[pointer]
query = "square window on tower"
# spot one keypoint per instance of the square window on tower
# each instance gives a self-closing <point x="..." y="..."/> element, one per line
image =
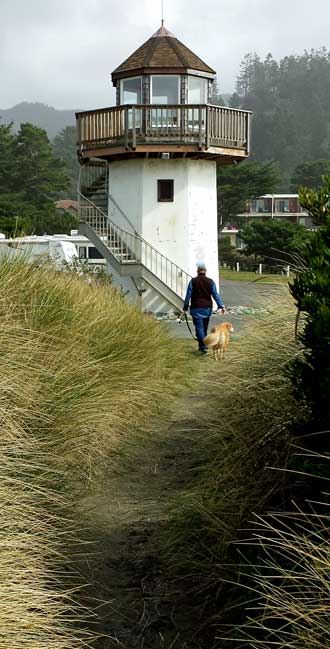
<point x="165" y="191"/>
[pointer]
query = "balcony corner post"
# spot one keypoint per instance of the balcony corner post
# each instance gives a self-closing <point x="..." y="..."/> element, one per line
<point x="126" y="128"/>
<point x="200" y="124"/>
<point x="248" y="133"/>
<point x="207" y="127"/>
<point x="133" y="128"/>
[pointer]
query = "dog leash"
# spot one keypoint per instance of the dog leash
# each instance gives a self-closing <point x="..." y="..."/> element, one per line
<point x="185" y="317"/>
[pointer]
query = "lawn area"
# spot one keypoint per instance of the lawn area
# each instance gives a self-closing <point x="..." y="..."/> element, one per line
<point x="246" y="276"/>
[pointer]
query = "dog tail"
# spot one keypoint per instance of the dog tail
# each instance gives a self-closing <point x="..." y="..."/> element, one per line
<point x="211" y="339"/>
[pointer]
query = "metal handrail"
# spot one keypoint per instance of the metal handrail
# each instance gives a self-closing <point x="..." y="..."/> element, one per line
<point x="130" y="248"/>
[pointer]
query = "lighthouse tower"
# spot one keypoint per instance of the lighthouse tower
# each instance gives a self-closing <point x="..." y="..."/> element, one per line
<point x="147" y="193"/>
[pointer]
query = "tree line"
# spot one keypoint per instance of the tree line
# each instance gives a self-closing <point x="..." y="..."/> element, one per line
<point x="290" y="101"/>
<point x="290" y="146"/>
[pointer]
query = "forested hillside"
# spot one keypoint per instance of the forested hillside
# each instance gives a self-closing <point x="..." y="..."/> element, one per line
<point x="46" y="117"/>
<point x="290" y="100"/>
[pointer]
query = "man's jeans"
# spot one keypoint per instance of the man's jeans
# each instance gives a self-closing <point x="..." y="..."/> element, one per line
<point x="201" y="325"/>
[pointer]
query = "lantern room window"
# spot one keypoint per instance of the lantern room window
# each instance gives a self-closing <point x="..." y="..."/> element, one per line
<point x="165" y="89"/>
<point x="197" y="90"/>
<point x="131" y="90"/>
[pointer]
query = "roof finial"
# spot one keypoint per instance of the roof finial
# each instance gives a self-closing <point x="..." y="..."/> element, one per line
<point x="162" y="13"/>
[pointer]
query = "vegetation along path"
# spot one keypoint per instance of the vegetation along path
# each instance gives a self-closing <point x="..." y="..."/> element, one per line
<point x="140" y="606"/>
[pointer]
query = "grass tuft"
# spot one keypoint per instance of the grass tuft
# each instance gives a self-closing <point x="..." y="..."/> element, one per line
<point x="290" y="583"/>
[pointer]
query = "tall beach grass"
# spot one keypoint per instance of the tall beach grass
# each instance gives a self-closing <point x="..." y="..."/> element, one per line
<point x="289" y="586"/>
<point x="243" y="435"/>
<point x="79" y="370"/>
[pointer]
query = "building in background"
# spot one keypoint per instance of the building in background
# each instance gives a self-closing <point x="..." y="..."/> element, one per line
<point x="282" y="207"/>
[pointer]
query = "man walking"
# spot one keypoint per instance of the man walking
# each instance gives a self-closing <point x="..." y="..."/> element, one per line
<point x="200" y="291"/>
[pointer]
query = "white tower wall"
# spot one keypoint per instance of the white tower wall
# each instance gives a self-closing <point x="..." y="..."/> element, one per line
<point x="184" y="230"/>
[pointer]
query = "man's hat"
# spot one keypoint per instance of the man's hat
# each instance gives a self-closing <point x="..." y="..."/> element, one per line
<point x="201" y="268"/>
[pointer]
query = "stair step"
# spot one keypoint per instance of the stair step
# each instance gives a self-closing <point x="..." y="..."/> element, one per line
<point x="130" y="261"/>
<point x="117" y="245"/>
<point x="125" y="255"/>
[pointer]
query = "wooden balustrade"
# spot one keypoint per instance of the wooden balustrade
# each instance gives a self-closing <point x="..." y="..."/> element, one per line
<point x="130" y="126"/>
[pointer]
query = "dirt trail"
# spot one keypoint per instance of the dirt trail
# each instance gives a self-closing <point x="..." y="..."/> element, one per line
<point x="143" y="610"/>
<point x="130" y="574"/>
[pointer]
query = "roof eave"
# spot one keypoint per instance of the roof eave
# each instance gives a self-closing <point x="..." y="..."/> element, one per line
<point x="201" y="73"/>
<point x="135" y="72"/>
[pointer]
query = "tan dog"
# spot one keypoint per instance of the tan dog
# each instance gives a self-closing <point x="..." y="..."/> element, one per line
<point x="218" y="339"/>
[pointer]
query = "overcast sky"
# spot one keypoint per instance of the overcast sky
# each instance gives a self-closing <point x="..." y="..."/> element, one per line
<point x="62" y="52"/>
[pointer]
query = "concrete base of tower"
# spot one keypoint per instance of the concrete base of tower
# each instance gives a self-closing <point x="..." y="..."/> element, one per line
<point x="183" y="228"/>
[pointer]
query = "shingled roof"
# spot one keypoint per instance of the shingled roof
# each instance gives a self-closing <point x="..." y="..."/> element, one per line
<point x="163" y="52"/>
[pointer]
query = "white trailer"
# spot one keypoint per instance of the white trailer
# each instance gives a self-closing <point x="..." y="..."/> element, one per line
<point x="61" y="249"/>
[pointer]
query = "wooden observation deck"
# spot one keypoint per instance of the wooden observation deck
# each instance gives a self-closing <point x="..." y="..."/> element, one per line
<point x="195" y="130"/>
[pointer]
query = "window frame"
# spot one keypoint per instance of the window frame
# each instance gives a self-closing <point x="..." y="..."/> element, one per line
<point x="93" y="256"/>
<point x="165" y="200"/>
<point x="162" y="76"/>
<point x="200" y="103"/>
<point x="122" y="90"/>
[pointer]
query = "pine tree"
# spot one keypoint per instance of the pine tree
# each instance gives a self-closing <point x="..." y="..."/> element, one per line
<point x="237" y="183"/>
<point x="309" y="174"/>
<point x="216" y="98"/>
<point x="65" y="148"/>
<point x="31" y="179"/>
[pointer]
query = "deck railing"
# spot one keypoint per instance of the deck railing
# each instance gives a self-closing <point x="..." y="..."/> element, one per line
<point x="129" y="126"/>
<point x="130" y="248"/>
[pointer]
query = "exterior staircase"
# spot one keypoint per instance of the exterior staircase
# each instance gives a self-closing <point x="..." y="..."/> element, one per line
<point x="94" y="187"/>
<point x="126" y="252"/>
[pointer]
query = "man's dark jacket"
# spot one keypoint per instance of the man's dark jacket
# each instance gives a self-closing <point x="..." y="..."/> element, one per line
<point x="201" y="292"/>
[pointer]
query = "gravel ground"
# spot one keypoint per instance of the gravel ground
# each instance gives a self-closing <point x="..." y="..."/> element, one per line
<point x="243" y="301"/>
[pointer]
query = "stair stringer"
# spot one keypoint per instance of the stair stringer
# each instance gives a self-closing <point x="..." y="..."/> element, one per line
<point x="133" y="269"/>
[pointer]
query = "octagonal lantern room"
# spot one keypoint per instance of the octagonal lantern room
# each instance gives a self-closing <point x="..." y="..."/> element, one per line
<point x="163" y="71"/>
<point x="163" y="105"/>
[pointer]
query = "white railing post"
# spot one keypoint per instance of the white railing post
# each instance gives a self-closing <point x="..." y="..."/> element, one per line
<point x="126" y="127"/>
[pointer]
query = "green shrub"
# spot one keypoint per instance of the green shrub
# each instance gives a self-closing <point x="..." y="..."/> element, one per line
<point x="311" y="290"/>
